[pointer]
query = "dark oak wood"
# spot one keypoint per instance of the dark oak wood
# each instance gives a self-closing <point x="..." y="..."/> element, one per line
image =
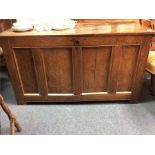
<point x="58" y="73"/>
<point x="39" y="67"/>
<point x="24" y="61"/>
<point x="106" y="20"/>
<point x="93" y="62"/>
<point x="127" y="68"/>
<point x="77" y="70"/>
<point x="13" y="70"/>
<point x="114" y="68"/>
<point x="5" y="24"/>
<point x="142" y="59"/>
<point x="77" y="98"/>
<point x="95" y="68"/>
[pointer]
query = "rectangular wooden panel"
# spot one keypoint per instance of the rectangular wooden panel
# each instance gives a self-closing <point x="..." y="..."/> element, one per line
<point x="62" y="41"/>
<point x="44" y="41"/>
<point x="114" y="66"/>
<point x="58" y="69"/>
<point x="110" y="40"/>
<point x="129" y="57"/>
<point x="142" y="60"/>
<point x="78" y="98"/>
<point x="95" y="68"/>
<point x="77" y="70"/>
<point x="40" y="71"/>
<point x="25" y="66"/>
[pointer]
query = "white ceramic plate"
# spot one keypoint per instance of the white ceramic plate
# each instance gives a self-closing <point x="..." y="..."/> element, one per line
<point x="21" y="29"/>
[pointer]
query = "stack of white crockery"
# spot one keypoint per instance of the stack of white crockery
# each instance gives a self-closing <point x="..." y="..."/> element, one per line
<point x="63" y="24"/>
<point x="54" y="24"/>
<point x="43" y="25"/>
<point x="22" y="25"/>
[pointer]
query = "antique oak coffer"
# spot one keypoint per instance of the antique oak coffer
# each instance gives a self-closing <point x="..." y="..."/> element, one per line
<point x="96" y="61"/>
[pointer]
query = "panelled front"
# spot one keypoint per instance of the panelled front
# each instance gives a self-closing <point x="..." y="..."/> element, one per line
<point x="109" y="68"/>
<point x="84" y="66"/>
<point x="44" y="68"/>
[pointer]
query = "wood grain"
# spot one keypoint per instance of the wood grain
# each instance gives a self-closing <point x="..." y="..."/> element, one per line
<point x="40" y="71"/>
<point x="77" y="70"/>
<point x="12" y="70"/>
<point x="95" y="68"/>
<point x="100" y="28"/>
<point x="127" y="67"/>
<point x="114" y="67"/>
<point x="24" y="60"/>
<point x="142" y="59"/>
<point x="58" y="68"/>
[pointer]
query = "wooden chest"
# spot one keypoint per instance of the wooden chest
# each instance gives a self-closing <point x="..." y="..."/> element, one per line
<point x="94" y="62"/>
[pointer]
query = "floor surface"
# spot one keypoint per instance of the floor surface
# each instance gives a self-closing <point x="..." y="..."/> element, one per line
<point x="95" y="118"/>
